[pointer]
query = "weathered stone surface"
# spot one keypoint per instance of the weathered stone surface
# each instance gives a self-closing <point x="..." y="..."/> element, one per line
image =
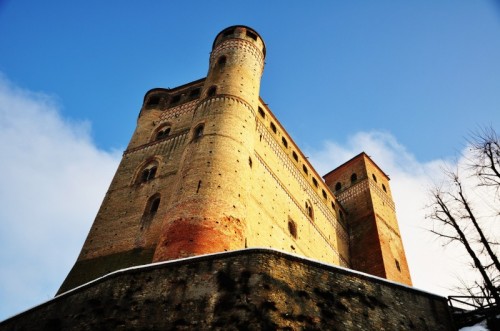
<point x="251" y="289"/>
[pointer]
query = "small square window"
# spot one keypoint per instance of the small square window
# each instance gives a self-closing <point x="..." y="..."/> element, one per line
<point x="273" y="127"/>
<point x="283" y="140"/>
<point x="262" y="113"/>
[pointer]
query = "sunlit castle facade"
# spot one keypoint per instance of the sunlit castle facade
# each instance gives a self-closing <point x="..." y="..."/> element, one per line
<point x="215" y="220"/>
<point x="210" y="169"/>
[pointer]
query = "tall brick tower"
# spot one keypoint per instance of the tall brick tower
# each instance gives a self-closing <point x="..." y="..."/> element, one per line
<point x="213" y="182"/>
<point x="376" y="246"/>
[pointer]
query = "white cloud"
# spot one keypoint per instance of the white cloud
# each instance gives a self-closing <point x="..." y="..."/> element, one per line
<point x="433" y="268"/>
<point x="53" y="181"/>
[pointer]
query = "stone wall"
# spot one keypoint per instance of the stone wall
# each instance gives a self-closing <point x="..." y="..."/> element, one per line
<point x="251" y="289"/>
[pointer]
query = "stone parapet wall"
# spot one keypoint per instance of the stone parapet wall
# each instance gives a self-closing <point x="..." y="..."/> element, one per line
<point x="252" y="289"/>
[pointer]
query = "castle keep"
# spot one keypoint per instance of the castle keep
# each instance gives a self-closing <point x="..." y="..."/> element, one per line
<point x="210" y="169"/>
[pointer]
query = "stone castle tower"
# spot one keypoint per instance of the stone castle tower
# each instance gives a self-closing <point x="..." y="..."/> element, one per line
<point x="210" y="169"/>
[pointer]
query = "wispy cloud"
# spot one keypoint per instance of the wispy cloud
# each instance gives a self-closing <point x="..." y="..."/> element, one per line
<point x="53" y="181"/>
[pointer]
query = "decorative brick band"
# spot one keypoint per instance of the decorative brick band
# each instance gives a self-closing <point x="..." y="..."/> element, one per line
<point x="361" y="186"/>
<point x="238" y="43"/>
<point x="287" y="162"/>
<point x="221" y="97"/>
<point x="162" y="146"/>
<point x="176" y="111"/>
<point x="383" y="195"/>
<point x="343" y="261"/>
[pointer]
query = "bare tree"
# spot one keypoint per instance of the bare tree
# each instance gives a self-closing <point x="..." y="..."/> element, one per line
<point x="456" y="219"/>
<point x="485" y="159"/>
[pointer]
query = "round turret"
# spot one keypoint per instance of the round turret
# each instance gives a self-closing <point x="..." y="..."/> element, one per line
<point x="214" y="179"/>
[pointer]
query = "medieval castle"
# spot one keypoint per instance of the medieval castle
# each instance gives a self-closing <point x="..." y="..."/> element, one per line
<point x="210" y="169"/>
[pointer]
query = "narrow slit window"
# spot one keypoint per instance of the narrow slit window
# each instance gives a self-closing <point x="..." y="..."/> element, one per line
<point x="155" y="204"/>
<point x="384" y="188"/>
<point x="151" y="209"/>
<point x="324" y="194"/>
<point x="374" y="177"/>
<point x="198" y="131"/>
<point x="292" y="228"/>
<point x="315" y="182"/>
<point x="295" y="156"/>
<point x="309" y="210"/>
<point x="304" y="168"/>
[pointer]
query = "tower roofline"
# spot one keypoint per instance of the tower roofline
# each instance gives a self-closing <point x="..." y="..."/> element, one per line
<point x="241" y="26"/>
<point x="173" y="89"/>
<point x="362" y="154"/>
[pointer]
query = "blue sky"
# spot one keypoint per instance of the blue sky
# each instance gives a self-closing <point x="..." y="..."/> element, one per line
<point x="405" y="81"/>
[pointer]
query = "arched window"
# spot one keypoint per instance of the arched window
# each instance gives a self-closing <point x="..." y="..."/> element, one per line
<point x="162" y="133"/>
<point x="354" y="178"/>
<point x="221" y="62"/>
<point x="309" y="210"/>
<point x="148" y="173"/>
<point x="211" y="91"/>
<point x="153" y="101"/>
<point x="338" y="186"/>
<point x="155" y="204"/>
<point x="151" y="209"/>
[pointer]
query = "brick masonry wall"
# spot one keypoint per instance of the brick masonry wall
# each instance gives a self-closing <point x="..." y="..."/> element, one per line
<point x="243" y="183"/>
<point x="376" y="244"/>
<point x="242" y="290"/>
